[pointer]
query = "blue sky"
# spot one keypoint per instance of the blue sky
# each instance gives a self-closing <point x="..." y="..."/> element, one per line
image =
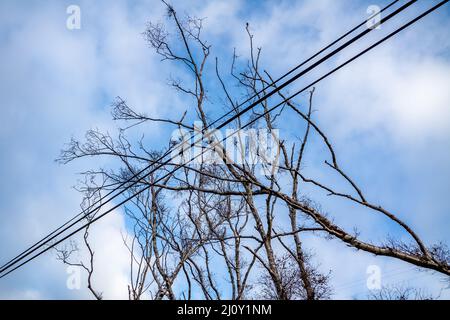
<point x="388" y="115"/>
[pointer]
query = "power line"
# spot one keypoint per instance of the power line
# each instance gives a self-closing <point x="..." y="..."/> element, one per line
<point x="66" y="225"/>
<point x="320" y="52"/>
<point x="249" y="123"/>
<point x="50" y="236"/>
<point x="53" y="235"/>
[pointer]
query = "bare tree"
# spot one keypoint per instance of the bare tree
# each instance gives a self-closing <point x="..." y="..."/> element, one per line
<point x="67" y="253"/>
<point x="230" y="229"/>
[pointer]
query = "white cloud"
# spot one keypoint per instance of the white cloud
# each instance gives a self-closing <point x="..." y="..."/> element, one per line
<point x="56" y="82"/>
